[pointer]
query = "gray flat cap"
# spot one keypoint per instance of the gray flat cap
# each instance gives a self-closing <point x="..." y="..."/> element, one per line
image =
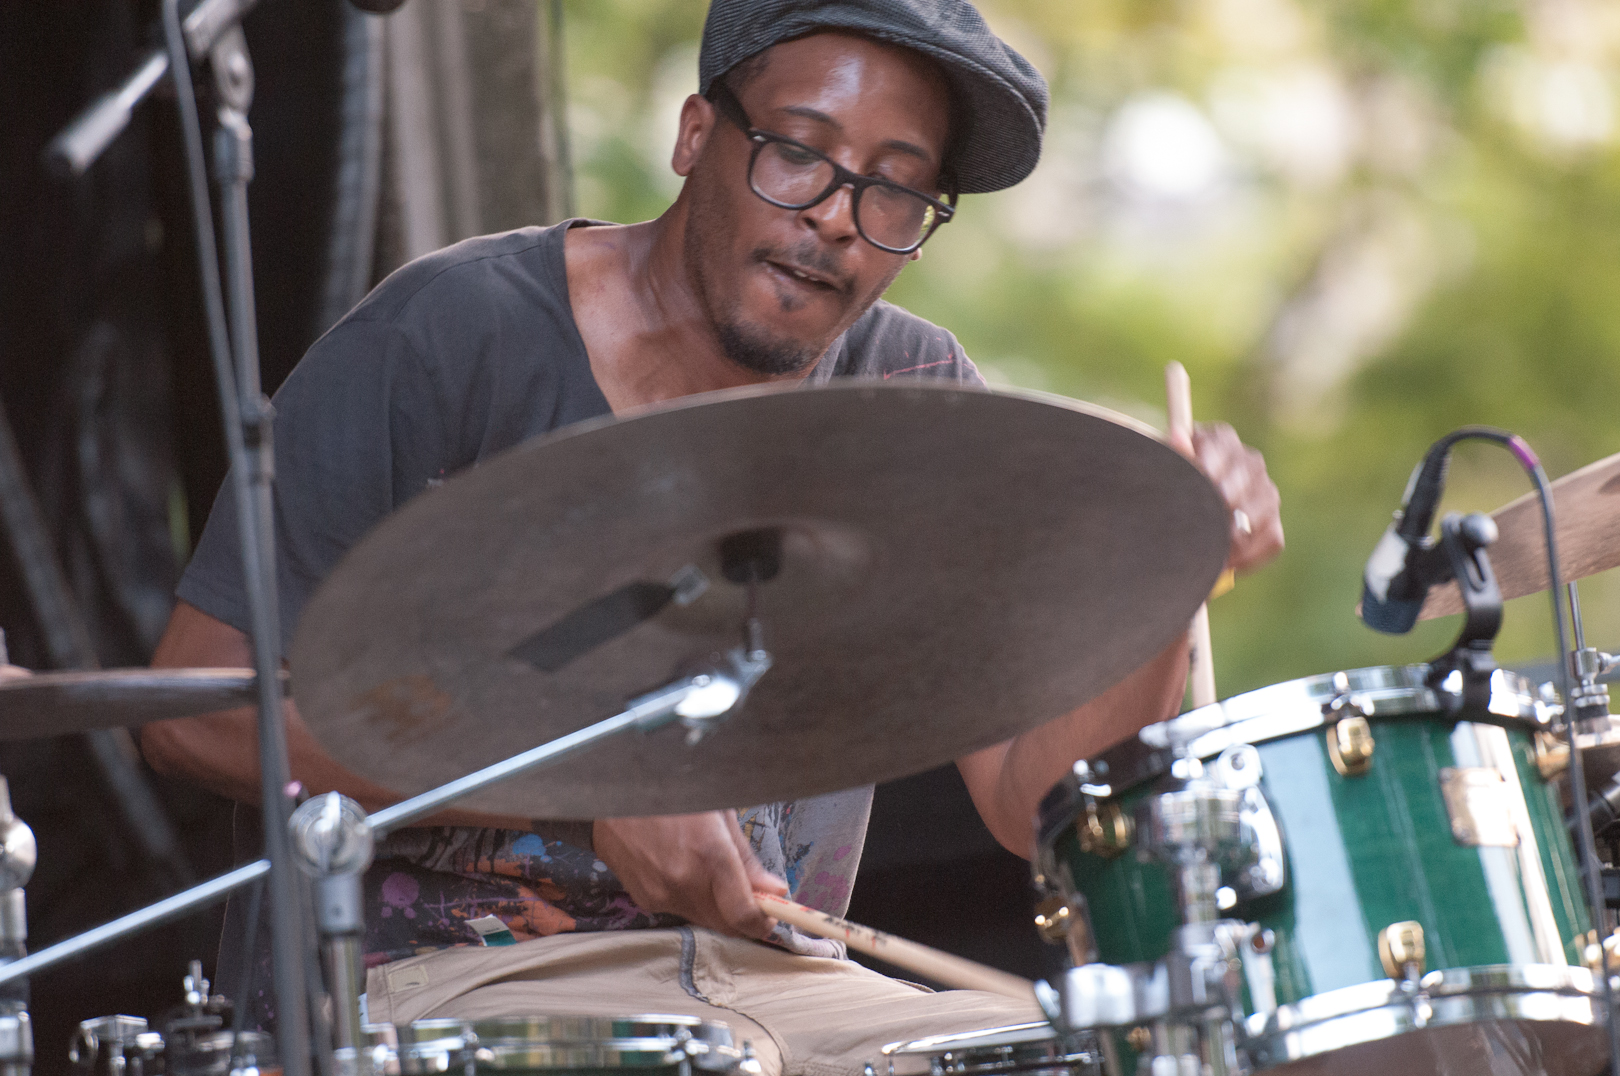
<point x="1000" y="98"/>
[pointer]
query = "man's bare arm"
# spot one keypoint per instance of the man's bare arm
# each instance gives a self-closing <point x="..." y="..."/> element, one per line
<point x="220" y="751"/>
<point x="1008" y="780"/>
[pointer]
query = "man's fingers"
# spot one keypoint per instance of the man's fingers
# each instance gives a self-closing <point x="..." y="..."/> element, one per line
<point x="760" y="878"/>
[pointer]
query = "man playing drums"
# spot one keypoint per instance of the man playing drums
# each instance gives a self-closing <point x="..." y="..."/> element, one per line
<point x="828" y="141"/>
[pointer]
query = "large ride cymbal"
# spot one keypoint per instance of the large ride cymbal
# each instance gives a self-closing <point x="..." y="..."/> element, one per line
<point x="1586" y="512"/>
<point x="957" y="566"/>
<point x="56" y="703"/>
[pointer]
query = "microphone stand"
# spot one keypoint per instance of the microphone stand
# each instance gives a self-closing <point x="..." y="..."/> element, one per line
<point x="246" y="415"/>
<point x="76" y="147"/>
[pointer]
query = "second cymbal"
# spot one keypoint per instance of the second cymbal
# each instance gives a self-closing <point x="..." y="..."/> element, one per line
<point x="1586" y="509"/>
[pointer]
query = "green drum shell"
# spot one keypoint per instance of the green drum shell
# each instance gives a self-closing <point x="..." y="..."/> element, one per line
<point x="1362" y="851"/>
<point x="553" y="1045"/>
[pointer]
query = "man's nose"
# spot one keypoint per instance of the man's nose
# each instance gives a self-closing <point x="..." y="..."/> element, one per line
<point x="834" y="217"/>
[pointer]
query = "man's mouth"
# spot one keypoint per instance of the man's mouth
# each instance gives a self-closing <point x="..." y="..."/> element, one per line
<point x="805" y="276"/>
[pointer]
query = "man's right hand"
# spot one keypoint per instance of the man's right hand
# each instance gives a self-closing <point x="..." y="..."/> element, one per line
<point x="697" y="866"/>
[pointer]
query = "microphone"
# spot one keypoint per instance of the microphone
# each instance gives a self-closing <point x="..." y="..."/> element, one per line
<point x="1397" y="577"/>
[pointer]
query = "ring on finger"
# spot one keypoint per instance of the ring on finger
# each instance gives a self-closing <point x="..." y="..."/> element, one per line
<point x="1240" y="522"/>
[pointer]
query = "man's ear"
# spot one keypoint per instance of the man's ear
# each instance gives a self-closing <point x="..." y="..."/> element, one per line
<point x="697" y="123"/>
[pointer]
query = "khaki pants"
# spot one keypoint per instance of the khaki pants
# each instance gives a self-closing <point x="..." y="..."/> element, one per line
<point x="805" y="1016"/>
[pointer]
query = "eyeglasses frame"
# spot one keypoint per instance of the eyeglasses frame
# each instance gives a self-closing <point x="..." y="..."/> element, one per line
<point x="726" y="103"/>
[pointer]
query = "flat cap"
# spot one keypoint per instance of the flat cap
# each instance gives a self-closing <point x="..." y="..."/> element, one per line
<point x="1000" y="99"/>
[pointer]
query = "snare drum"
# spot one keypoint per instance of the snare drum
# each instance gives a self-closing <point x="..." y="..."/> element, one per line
<point x="645" y="1045"/>
<point x="1411" y="881"/>
<point x="1026" y="1049"/>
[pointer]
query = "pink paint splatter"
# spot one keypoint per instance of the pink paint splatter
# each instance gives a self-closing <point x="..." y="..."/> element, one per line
<point x="400" y="891"/>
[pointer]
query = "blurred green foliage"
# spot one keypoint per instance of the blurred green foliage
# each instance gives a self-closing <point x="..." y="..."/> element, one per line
<point x="1408" y="219"/>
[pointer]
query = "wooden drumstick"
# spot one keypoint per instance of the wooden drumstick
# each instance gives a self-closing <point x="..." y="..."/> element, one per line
<point x="1200" y="662"/>
<point x="942" y="967"/>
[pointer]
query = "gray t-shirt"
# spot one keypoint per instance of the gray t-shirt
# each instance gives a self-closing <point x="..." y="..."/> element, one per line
<point x="455" y="357"/>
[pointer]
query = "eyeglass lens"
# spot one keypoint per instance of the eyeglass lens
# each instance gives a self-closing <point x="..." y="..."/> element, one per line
<point x="887" y="216"/>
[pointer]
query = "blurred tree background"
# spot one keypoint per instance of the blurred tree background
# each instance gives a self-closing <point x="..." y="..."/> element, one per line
<point x="1359" y="223"/>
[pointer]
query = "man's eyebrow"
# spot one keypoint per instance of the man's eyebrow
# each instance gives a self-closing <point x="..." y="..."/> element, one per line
<point x="898" y="145"/>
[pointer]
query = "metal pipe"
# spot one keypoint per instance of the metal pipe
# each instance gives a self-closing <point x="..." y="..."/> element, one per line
<point x="645" y="713"/>
<point x="198" y="896"/>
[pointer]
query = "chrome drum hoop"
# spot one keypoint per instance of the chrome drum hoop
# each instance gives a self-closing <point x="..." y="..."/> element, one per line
<point x="1378" y="692"/>
<point x="541" y="1043"/>
<point x="1034" y="1049"/>
<point x="1566" y="998"/>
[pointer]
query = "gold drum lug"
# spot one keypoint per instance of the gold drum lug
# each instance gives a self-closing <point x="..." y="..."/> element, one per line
<point x="1592" y="956"/>
<point x="1105" y="830"/>
<point x="1053" y="920"/>
<point x="1140" y="1038"/>
<point x="1400" y="949"/>
<point x="1350" y="745"/>
<point x="1552" y="755"/>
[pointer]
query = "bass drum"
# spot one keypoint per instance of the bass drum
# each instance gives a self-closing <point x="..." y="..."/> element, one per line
<point x="1414" y="897"/>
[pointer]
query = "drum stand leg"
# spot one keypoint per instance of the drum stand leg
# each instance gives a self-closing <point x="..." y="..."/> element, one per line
<point x="17" y="858"/>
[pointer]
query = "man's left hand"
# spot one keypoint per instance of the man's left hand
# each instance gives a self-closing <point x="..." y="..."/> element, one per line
<point x="1239" y="473"/>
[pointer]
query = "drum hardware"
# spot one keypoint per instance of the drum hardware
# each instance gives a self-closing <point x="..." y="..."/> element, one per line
<point x="333" y="844"/>
<point x="1591" y="957"/>
<point x="1478" y="806"/>
<point x="653" y="1045"/>
<point x="56" y="703"/>
<point x="194" y="1040"/>
<point x="1552" y="755"/>
<point x="1061" y="920"/>
<point x="1586" y="533"/>
<point x="326" y="832"/>
<point x="1350" y="743"/>
<point x="1189" y="996"/>
<point x="1105" y="830"/>
<point x="116" y="1046"/>
<point x="18" y="857"/>
<point x="1033" y="1049"/>
<point x="1464" y="671"/>
<point x="1400" y="950"/>
<point x="1298" y="997"/>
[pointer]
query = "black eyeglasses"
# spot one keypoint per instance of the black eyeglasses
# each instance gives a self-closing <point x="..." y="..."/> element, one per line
<point x="792" y="175"/>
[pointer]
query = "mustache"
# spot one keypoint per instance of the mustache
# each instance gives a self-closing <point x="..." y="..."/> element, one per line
<point x="812" y="256"/>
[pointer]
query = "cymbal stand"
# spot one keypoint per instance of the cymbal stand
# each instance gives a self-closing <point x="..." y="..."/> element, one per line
<point x="333" y="844"/>
<point x="698" y="702"/>
<point x="246" y="416"/>
<point x="18" y="854"/>
<point x="333" y="838"/>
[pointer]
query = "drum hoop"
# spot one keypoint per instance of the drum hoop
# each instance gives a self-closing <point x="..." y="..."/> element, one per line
<point x="561" y="1042"/>
<point x="1368" y="1012"/>
<point x="1009" y="1049"/>
<point x="1379" y="692"/>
